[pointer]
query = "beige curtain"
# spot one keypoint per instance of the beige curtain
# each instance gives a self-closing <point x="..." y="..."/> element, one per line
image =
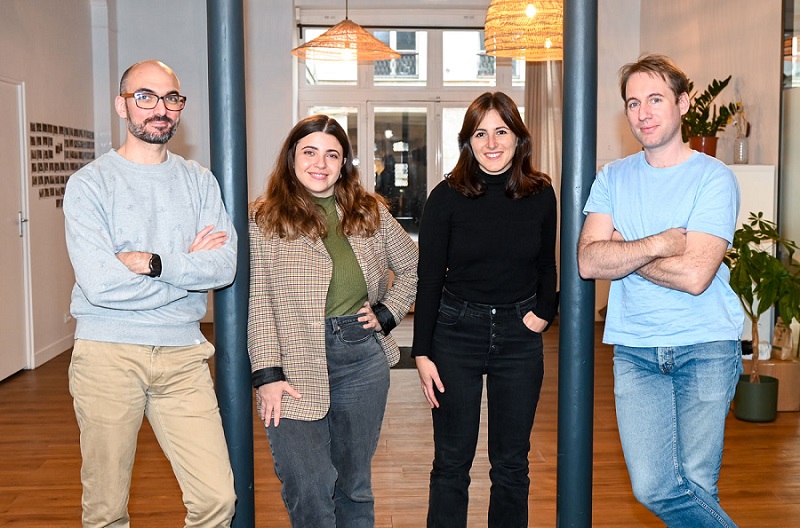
<point x="543" y="102"/>
<point x="543" y="81"/>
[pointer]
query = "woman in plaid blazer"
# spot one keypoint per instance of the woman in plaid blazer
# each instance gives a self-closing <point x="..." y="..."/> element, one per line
<point x="320" y="314"/>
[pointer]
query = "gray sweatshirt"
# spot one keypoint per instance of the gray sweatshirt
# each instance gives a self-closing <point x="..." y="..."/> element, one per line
<point x="114" y="205"/>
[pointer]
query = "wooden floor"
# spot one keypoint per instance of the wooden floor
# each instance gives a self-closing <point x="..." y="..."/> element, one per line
<point x="40" y="461"/>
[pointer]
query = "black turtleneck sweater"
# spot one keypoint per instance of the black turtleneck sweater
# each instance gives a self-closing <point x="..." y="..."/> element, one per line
<point x="490" y="250"/>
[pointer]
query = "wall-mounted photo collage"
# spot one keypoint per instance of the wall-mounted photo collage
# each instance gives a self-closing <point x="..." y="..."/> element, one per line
<point x="57" y="152"/>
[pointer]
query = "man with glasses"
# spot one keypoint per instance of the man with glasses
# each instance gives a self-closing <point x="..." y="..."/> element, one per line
<point x="147" y="235"/>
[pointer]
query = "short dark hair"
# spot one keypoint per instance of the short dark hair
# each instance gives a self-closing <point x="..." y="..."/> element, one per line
<point x="655" y="65"/>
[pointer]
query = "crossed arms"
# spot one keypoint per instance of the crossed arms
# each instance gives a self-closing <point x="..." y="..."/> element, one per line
<point x="139" y="262"/>
<point x="674" y="258"/>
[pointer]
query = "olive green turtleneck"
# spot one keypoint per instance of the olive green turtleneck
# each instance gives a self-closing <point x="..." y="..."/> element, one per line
<point x="348" y="289"/>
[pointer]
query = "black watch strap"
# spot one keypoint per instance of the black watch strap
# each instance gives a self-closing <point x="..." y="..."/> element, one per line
<point x="155" y="266"/>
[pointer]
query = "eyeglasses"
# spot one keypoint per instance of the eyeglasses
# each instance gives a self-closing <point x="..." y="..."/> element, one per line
<point x="148" y="101"/>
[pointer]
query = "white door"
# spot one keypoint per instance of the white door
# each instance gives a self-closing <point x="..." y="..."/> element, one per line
<point x="13" y="334"/>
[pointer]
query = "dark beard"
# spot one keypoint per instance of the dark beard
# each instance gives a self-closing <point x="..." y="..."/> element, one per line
<point x="155" y="138"/>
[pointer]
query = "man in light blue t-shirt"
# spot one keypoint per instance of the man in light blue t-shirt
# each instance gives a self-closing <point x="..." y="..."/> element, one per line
<point x="658" y="224"/>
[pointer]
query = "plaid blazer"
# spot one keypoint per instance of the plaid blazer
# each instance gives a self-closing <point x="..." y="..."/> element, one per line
<point x="288" y="285"/>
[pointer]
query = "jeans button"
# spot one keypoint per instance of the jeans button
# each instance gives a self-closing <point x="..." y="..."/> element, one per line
<point x="494" y="311"/>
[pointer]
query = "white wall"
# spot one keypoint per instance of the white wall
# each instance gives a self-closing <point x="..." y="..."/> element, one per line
<point x="271" y="84"/>
<point x="47" y="45"/>
<point x="618" y="44"/>
<point x="146" y="30"/>
<point x="716" y="38"/>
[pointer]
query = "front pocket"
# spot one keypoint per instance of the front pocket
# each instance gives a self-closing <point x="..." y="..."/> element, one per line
<point x="354" y="333"/>
<point x="448" y="316"/>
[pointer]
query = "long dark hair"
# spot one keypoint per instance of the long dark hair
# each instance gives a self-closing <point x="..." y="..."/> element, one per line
<point x="524" y="180"/>
<point x="287" y="208"/>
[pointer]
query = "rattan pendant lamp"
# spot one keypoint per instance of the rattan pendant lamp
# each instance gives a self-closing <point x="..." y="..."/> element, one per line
<point x="345" y="41"/>
<point x="525" y="30"/>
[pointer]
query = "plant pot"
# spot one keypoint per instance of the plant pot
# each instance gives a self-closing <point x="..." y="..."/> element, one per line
<point x="756" y="402"/>
<point x="704" y="144"/>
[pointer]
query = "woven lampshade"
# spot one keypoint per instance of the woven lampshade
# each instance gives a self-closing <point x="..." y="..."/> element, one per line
<point x="525" y="30"/>
<point x="345" y="41"/>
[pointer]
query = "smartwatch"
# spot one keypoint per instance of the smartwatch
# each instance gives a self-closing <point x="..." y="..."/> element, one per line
<point x="155" y="266"/>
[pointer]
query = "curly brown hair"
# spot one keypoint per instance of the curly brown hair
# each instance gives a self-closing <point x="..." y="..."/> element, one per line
<point x="524" y="180"/>
<point x="288" y="210"/>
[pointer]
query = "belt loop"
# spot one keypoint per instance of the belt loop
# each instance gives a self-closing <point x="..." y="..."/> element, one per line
<point x="464" y="305"/>
<point x="334" y="324"/>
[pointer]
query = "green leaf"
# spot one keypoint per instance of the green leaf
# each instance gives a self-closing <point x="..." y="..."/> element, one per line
<point x="758" y="278"/>
<point x="704" y="118"/>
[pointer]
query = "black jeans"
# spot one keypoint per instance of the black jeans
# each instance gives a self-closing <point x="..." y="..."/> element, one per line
<point x="471" y="340"/>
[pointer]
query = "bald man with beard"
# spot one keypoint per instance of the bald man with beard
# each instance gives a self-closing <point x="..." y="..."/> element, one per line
<point x="148" y="236"/>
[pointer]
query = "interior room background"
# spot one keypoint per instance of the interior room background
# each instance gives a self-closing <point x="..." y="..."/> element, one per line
<point x="60" y="63"/>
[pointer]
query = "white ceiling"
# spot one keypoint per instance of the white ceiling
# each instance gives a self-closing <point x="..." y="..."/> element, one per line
<point x="392" y="4"/>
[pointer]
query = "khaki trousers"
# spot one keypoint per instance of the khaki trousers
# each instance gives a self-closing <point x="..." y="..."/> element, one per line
<point x="113" y="386"/>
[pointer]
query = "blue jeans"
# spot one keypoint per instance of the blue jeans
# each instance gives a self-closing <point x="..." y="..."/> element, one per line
<point x="325" y="465"/>
<point x="471" y="340"/>
<point x="671" y="408"/>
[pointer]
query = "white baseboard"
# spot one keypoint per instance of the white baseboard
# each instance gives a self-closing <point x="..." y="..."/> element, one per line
<point x="40" y="357"/>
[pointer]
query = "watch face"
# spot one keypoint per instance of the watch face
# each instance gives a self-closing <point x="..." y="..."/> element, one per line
<point x="155" y="266"/>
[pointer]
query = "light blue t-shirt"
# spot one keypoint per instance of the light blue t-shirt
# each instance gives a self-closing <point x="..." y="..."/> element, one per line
<point x="701" y="194"/>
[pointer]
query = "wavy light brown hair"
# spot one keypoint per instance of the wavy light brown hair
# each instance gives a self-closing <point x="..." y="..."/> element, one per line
<point x="524" y="180"/>
<point x="288" y="210"/>
<point x="655" y="66"/>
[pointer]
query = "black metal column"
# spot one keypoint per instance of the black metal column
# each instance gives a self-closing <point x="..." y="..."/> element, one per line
<point x="226" y="88"/>
<point x="576" y="328"/>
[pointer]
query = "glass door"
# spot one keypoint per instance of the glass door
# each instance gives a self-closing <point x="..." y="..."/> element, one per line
<point x="400" y="135"/>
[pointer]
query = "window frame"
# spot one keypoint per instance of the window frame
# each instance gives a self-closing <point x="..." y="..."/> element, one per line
<point x="365" y="95"/>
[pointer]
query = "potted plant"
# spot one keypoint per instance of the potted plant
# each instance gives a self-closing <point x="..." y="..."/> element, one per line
<point x="761" y="280"/>
<point x="703" y="120"/>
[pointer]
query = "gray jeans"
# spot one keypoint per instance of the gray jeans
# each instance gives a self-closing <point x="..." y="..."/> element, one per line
<point x="325" y="465"/>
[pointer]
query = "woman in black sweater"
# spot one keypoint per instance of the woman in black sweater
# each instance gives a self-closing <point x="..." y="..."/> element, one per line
<point x="486" y="291"/>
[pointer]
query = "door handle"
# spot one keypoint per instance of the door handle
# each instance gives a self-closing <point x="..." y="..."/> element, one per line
<point x="21" y="221"/>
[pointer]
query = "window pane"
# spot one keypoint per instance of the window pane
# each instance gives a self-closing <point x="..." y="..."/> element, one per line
<point x="464" y="61"/>
<point x="517" y="72"/>
<point x="791" y="61"/>
<point x="407" y="40"/>
<point x="401" y="162"/>
<point x="411" y="69"/>
<point x="347" y="116"/>
<point x="452" y="118"/>
<point x="328" y="72"/>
